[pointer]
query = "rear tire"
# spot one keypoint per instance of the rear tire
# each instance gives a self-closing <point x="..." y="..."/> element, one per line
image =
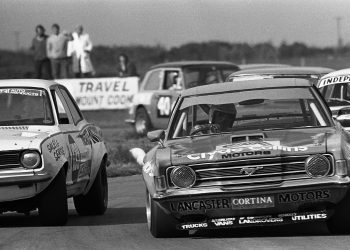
<point x="142" y="122"/>
<point x="339" y="223"/>
<point x="53" y="206"/>
<point x="160" y="224"/>
<point x="95" y="202"/>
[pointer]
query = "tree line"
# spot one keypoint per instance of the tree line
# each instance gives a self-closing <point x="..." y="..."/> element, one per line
<point x="19" y="64"/>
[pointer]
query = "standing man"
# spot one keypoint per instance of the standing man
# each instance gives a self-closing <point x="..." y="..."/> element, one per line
<point x="57" y="52"/>
<point x="42" y="65"/>
<point x="82" y="46"/>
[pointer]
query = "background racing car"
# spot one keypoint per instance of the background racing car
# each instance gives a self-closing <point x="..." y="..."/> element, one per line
<point x="335" y="87"/>
<point x="162" y="85"/>
<point x="49" y="152"/>
<point x="262" y="152"/>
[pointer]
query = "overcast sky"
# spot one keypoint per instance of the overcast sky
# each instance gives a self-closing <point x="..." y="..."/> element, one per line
<point x="174" y="22"/>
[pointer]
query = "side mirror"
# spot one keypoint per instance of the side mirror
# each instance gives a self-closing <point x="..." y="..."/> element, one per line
<point x="344" y="111"/>
<point x="156" y="136"/>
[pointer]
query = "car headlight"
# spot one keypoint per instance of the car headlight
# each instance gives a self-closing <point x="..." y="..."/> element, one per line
<point x="317" y="166"/>
<point x="183" y="177"/>
<point x="30" y="159"/>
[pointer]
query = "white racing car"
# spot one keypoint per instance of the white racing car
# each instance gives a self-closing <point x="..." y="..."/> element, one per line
<point x="48" y="153"/>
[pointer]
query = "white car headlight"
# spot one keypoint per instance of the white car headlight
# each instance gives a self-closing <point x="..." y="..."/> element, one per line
<point x="30" y="159"/>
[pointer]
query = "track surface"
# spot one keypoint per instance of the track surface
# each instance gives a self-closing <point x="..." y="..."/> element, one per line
<point x="124" y="227"/>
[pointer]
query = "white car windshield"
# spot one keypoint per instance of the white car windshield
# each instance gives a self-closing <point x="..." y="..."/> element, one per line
<point x="263" y="109"/>
<point x="25" y="106"/>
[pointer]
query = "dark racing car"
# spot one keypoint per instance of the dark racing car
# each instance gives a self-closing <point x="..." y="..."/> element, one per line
<point x="262" y="152"/>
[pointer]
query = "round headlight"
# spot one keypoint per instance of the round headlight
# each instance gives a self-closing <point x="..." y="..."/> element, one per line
<point x="183" y="177"/>
<point x="317" y="166"/>
<point x="30" y="159"/>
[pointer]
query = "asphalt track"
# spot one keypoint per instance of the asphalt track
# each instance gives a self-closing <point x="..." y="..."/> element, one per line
<point x="124" y="227"/>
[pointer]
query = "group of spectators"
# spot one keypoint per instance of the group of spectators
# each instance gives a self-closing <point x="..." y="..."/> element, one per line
<point x="63" y="54"/>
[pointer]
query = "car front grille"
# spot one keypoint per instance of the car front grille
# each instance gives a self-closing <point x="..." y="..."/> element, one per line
<point x="251" y="171"/>
<point x="9" y="159"/>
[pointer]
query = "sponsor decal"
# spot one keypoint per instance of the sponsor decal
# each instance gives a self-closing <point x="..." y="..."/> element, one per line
<point x="196" y="205"/>
<point x="254" y="220"/>
<point x="18" y="91"/>
<point x="223" y="222"/>
<point x="84" y="169"/>
<point x="188" y="226"/>
<point x="320" y="216"/>
<point x="75" y="158"/>
<point x="56" y="149"/>
<point x="304" y="196"/>
<point x="249" y="170"/>
<point x="240" y="150"/>
<point x="259" y="220"/>
<point x="253" y="202"/>
<point x="90" y="136"/>
<point x="148" y="168"/>
<point x="334" y="80"/>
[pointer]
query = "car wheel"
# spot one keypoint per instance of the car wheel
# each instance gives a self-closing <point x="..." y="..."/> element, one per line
<point x="53" y="206"/>
<point x="95" y="202"/>
<point x="159" y="223"/>
<point x="339" y="223"/>
<point x="142" y="122"/>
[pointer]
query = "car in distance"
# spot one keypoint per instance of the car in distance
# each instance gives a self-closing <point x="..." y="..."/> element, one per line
<point x="260" y="152"/>
<point x="311" y="73"/>
<point x="48" y="153"/>
<point x="335" y="88"/>
<point x="162" y="85"/>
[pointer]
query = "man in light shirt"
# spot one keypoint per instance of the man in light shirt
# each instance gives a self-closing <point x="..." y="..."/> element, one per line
<point x="81" y="47"/>
<point x="57" y="52"/>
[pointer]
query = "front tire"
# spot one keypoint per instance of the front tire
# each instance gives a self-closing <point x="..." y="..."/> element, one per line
<point x="142" y="122"/>
<point x="159" y="223"/>
<point x="95" y="202"/>
<point x="53" y="206"/>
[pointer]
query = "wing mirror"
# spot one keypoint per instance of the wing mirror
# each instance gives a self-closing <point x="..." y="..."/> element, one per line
<point x="343" y="117"/>
<point x="156" y="136"/>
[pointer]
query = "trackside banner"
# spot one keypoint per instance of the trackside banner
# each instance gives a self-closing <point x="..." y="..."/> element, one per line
<point x="102" y="93"/>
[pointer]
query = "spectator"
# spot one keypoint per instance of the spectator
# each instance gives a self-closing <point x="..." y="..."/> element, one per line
<point x="124" y="67"/>
<point x="81" y="49"/>
<point x="42" y="65"/>
<point x="57" y="52"/>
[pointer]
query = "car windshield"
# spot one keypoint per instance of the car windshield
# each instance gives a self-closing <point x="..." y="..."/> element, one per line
<point x="337" y="94"/>
<point x="203" y="75"/>
<point x="24" y="106"/>
<point x="262" y="109"/>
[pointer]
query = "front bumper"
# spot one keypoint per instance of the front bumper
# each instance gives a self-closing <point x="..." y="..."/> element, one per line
<point x="19" y="183"/>
<point x="217" y="202"/>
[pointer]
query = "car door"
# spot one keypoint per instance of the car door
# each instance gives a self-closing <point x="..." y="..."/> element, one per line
<point x="163" y="100"/>
<point x="73" y="126"/>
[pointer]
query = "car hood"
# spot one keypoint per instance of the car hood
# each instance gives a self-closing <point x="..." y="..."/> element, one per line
<point x="273" y="143"/>
<point x="17" y="139"/>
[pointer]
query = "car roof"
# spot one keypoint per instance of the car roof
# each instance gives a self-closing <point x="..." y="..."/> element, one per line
<point x="29" y="83"/>
<point x="246" y="85"/>
<point x="337" y="73"/>
<point x="180" y="64"/>
<point x="291" y="70"/>
<point x="261" y="65"/>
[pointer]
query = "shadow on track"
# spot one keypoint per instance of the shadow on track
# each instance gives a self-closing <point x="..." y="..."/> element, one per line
<point x="113" y="216"/>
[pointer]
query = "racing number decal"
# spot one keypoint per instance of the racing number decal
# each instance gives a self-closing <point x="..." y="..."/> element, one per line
<point x="164" y="106"/>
